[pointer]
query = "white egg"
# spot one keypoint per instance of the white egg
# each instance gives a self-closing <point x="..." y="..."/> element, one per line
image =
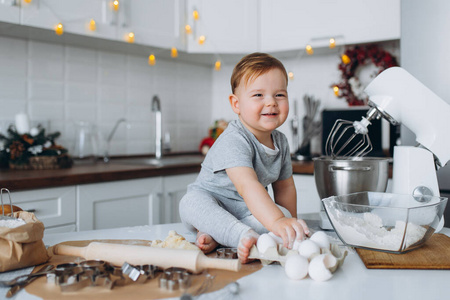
<point x="296" y="267"/>
<point x="320" y="265"/>
<point x="264" y="242"/>
<point x="321" y="239"/>
<point x="277" y="238"/>
<point x="308" y="248"/>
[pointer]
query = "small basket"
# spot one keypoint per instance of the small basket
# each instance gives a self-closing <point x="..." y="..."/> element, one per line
<point x="44" y="163"/>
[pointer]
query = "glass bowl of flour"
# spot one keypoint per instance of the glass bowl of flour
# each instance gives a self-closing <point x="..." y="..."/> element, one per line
<point x="384" y="222"/>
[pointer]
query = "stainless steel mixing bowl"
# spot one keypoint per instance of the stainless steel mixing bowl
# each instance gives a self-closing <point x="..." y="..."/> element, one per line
<point x="341" y="176"/>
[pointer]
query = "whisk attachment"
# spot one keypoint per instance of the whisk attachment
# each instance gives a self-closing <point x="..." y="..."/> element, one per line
<point x="350" y="138"/>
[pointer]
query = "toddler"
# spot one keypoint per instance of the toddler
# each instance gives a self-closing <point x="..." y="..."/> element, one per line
<point x="228" y="204"/>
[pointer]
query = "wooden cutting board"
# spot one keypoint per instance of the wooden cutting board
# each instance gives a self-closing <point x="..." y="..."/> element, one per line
<point x="435" y="254"/>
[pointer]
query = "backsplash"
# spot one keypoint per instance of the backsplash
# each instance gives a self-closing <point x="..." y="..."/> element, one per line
<point x="58" y="85"/>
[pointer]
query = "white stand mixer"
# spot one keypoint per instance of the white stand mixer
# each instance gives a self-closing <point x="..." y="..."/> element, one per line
<point x="401" y="98"/>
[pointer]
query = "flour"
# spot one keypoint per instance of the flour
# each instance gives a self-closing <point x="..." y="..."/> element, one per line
<point x="369" y="231"/>
<point x="11" y="223"/>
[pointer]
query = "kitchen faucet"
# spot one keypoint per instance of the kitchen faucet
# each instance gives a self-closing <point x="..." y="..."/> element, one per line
<point x="156" y="107"/>
<point x="110" y="136"/>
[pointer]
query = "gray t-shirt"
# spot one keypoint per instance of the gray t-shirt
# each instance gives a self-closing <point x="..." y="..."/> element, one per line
<point x="238" y="147"/>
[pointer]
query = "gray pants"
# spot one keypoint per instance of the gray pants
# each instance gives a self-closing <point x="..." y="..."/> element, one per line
<point x="225" y="221"/>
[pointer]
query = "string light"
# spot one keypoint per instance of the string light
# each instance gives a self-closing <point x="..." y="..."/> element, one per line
<point x="201" y="39"/>
<point x="291" y="75"/>
<point x="115" y="5"/>
<point x="336" y="90"/>
<point x="59" y="29"/>
<point x="309" y="50"/>
<point x="217" y="65"/>
<point x="130" y="37"/>
<point x="174" y="52"/>
<point x="152" y="60"/>
<point x="92" y="25"/>
<point x="345" y="59"/>
<point x="195" y="14"/>
<point x="332" y="43"/>
<point x="188" y="29"/>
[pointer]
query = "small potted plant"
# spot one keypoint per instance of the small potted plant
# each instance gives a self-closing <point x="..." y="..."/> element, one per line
<point x="32" y="150"/>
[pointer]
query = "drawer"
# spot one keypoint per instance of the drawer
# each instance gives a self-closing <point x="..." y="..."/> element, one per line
<point x="54" y="206"/>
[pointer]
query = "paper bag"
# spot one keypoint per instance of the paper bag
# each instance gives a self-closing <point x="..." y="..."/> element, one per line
<point x="22" y="246"/>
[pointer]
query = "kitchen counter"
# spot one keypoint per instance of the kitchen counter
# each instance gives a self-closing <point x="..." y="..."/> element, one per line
<point x="103" y="172"/>
<point x="351" y="281"/>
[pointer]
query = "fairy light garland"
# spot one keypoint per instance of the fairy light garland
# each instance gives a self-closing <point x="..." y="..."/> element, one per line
<point x="92" y="25"/>
<point x="59" y="29"/>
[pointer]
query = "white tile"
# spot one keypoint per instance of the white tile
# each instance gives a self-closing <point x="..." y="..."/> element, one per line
<point x="139" y="113"/>
<point x="13" y="57"/>
<point x="112" y="75"/>
<point x="81" y="112"/>
<point x="140" y="147"/>
<point x="46" y="51"/>
<point x="141" y="131"/>
<point x="16" y="67"/>
<point x="112" y="59"/>
<point x="12" y="88"/>
<point x="111" y="112"/>
<point x="140" y="79"/>
<point x="141" y="96"/>
<point x="46" y="90"/>
<point x="112" y="93"/>
<point x="81" y="92"/>
<point x="9" y="108"/>
<point x="46" y="110"/>
<point x="81" y="55"/>
<point x="81" y="72"/>
<point x="12" y="48"/>
<point x="46" y="69"/>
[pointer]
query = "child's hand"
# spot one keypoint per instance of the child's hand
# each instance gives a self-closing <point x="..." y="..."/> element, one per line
<point x="290" y="229"/>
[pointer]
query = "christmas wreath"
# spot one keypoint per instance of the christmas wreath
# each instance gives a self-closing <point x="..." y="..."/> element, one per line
<point x="354" y="57"/>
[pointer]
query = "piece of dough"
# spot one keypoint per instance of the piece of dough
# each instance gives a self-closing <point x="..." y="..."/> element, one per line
<point x="176" y="241"/>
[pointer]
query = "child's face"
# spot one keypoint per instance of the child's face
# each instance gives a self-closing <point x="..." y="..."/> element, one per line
<point x="262" y="103"/>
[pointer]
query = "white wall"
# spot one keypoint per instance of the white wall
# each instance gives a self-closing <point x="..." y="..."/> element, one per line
<point x="57" y="84"/>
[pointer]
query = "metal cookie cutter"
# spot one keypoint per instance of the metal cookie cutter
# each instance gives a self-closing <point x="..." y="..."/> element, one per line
<point x="228" y="253"/>
<point x="175" y="278"/>
<point x="139" y="273"/>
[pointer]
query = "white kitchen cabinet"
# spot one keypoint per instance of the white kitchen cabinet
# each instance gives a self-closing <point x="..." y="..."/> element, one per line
<point x="174" y="189"/>
<point x="229" y="26"/>
<point x="55" y="207"/>
<point x="308" y="200"/>
<point x="292" y="24"/>
<point x="156" y="23"/>
<point x="118" y="203"/>
<point x="74" y="15"/>
<point x="10" y="11"/>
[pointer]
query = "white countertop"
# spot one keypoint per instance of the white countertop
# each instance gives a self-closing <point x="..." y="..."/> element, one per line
<point x="351" y="281"/>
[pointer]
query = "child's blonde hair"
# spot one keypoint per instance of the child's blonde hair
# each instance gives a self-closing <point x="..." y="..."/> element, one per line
<point x="252" y="66"/>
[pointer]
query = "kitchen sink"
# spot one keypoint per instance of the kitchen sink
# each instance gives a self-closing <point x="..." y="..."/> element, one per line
<point x="163" y="161"/>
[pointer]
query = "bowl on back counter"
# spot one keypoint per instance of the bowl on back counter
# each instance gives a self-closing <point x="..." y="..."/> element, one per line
<point x="385" y="222"/>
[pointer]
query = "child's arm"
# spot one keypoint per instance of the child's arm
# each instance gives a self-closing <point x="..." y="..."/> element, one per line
<point x="263" y="208"/>
<point x="285" y="195"/>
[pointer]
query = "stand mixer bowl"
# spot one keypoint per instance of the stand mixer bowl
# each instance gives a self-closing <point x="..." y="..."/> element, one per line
<point x="341" y="176"/>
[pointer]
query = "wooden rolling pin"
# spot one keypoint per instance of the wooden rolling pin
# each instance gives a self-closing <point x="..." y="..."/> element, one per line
<point x="116" y="254"/>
